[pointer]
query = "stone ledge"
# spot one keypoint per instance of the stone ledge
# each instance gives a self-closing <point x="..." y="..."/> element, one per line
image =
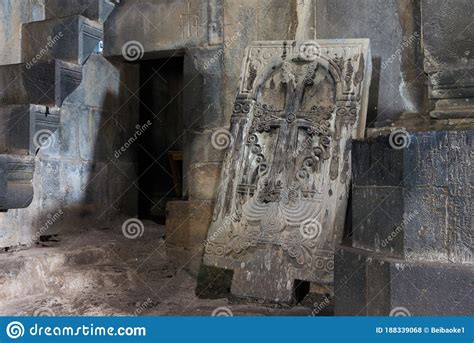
<point x="369" y="284"/>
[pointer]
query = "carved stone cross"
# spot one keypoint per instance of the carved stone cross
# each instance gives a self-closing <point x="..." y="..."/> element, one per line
<point x="282" y="200"/>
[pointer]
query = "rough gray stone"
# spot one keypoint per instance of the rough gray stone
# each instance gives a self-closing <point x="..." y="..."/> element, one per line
<point x="97" y="10"/>
<point x="70" y="39"/>
<point x="44" y="83"/>
<point x="448" y="61"/>
<point x="418" y="195"/>
<point x="371" y="284"/>
<point x="393" y="27"/>
<point x="16" y="174"/>
<point x="24" y="128"/>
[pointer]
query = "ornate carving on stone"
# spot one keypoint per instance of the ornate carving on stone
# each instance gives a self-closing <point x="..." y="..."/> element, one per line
<point x="285" y="172"/>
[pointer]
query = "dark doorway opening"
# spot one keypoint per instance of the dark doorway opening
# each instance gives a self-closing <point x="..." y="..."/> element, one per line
<point x="160" y="147"/>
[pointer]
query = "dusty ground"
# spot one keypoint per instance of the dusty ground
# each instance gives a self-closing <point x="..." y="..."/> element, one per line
<point x="101" y="272"/>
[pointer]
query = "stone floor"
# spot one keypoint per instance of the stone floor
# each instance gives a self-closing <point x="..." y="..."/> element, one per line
<point x="101" y="272"/>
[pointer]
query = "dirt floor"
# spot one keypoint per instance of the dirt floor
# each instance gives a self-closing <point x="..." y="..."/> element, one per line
<point x="99" y="272"/>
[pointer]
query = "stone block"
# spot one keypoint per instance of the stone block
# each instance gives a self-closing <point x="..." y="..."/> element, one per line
<point x="448" y="59"/>
<point x="375" y="227"/>
<point x="393" y="29"/>
<point x="186" y="229"/>
<point x="203" y="77"/>
<point x="70" y="39"/>
<point x="371" y="284"/>
<point x="97" y="10"/>
<point x="16" y="175"/>
<point x="44" y="83"/>
<point x="187" y="223"/>
<point x="103" y="86"/>
<point x="25" y="128"/>
<point x="419" y="206"/>
<point x="203" y="180"/>
<point x="181" y="24"/>
<point x="203" y="147"/>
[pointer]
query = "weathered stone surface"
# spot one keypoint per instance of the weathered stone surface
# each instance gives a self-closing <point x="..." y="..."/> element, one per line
<point x="92" y="9"/>
<point x="16" y="174"/>
<point x="24" y="128"/>
<point x="187" y="223"/>
<point x="70" y="39"/>
<point x="414" y="200"/>
<point x="203" y="180"/>
<point x="393" y="27"/>
<point x="186" y="228"/>
<point x="371" y="284"/>
<point x="448" y="61"/>
<point x="161" y="26"/>
<point x="44" y="83"/>
<point x="276" y="217"/>
<point x="12" y="15"/>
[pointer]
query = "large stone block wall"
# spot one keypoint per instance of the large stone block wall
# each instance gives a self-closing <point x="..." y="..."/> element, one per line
<point x="77" y="180"/>
<point x="393" y="27"/>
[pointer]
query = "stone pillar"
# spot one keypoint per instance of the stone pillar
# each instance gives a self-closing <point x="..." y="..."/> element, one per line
<point x="448" y="57"/>
<point x="410" y="248"/>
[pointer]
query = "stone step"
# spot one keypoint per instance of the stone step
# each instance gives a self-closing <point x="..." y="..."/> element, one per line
<point x="71" y="39"/>
<point x="374" y="285"/>
<point x="25" y="128"/>
<point x="44" y="83"/>
<point x="16" y="175"/>
<point x="97" y="10"/>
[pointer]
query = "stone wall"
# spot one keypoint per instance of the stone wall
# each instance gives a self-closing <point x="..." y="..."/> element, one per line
<point x="77" y="181"/>
<point x="212" y="36"/>
<point x="12" y="14"/>
<point x="393" y="27"/>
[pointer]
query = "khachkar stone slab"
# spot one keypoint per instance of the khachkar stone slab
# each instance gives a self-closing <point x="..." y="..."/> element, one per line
<point x="285" y="178"/>
<point x="16" y="175"/>
<point x="25" y="128"/>
<point x="43" y="83"/>
<point x="71" y="39"/>
<point x="410" y="249"/>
